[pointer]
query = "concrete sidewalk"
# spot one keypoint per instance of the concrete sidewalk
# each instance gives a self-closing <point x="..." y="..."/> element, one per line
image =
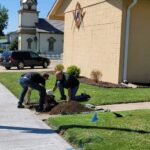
<point x="126" y="107"/>
<point x="20" y="129"/>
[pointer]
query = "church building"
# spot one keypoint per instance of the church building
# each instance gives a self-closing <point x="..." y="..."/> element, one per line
<point x="112" y="36"/>
<point x="39" y="34"/>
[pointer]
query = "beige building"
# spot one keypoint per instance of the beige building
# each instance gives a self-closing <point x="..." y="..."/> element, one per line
<point x="39" y="34"/>
<point x="112" y="36"/>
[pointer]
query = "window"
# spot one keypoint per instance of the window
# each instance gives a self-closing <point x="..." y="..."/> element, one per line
<point x="34" y="55"/>
<point x="29" y="41"/>
<point x="51" y="42"/>
<point x="29" y="7"/>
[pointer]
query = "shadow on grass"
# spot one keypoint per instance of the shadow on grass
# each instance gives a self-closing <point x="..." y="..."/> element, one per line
<point x="66" y="127"/>
<point x="28" y="130"/>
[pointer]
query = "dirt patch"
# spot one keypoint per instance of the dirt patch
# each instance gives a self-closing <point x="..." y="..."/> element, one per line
<point x="69" y="108"/>
<point x="100" y="83"/>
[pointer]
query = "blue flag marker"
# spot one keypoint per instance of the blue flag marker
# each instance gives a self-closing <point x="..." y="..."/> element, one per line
<point x="95" y="118"/>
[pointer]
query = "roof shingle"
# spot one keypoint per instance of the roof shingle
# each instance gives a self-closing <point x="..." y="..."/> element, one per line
<point x="50" y="26"/>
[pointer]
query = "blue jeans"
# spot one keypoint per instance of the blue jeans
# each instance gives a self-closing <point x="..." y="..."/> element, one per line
<point x="25" y="83"/>
<point x="73" y="92"/>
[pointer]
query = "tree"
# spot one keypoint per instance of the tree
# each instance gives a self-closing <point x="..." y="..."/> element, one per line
<point x="14" y="45"/>
<point x="3" y="19"/>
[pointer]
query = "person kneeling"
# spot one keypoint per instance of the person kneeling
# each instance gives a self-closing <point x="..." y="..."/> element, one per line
<point x="71" y="83"/>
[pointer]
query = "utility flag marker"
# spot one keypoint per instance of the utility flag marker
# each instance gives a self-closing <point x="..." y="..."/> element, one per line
<point x="95" y="118"/>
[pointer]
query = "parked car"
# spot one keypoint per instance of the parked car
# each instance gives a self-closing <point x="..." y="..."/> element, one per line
<point x="1" y="52"/>
<point x="21" y="59"/>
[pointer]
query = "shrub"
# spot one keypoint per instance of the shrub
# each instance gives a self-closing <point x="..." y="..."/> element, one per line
<point x="59" y="67"/>
<point x="73" y="70"/>
<point x="14" y="45"/>
<point x="96" y="75"/>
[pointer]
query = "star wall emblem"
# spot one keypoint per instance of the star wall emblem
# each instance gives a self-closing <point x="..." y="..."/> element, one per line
<point x="78" y="15"/>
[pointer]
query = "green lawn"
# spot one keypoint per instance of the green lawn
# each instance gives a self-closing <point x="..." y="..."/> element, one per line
<point x="2" y="37"/>
<point x="10" y="80"/>
<point x="131" y="132"/>
<point x="99" y="95"/>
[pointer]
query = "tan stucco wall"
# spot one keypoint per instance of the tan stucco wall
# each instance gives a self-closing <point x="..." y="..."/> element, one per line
<point x="139" y="45"/>
<point x="96" y="45"/>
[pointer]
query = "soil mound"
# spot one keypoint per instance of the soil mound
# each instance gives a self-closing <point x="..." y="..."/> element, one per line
<point x="69" y="108"/>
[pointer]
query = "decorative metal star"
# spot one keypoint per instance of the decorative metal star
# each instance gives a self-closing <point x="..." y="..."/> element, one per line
<point x="78" y="15"/>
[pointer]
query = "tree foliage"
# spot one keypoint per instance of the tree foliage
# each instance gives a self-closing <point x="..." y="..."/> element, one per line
<point x="14" y="45"/>
<point x="3" y="19"/>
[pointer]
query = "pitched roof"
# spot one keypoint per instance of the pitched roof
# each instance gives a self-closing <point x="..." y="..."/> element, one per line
<point x="50" y="26"/>
<point x="58" y="9"/>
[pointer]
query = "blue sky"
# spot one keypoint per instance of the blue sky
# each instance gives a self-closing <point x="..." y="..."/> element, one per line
<point x="14" y="5"/>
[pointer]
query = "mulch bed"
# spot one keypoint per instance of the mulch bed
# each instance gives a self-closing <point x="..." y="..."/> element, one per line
<point x="100" y="83"/>
<point x="69" y="108"/>
<point x="103" y="84"/>
<point x="142" y="85"/>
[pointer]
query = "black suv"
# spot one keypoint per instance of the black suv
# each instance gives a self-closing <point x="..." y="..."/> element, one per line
<point x="21" y="59"/>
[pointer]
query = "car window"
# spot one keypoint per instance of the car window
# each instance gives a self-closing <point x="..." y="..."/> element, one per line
<point x="26" y="55"/>
<point x="16" y="55"/>
<point x="33" y="55"/>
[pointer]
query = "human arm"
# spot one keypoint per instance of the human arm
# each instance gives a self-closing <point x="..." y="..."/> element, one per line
<point x="54" y="88"/>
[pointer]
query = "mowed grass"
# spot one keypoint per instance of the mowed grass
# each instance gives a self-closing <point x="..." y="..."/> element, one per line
<point x="99" y="95"/>
<point x="11" y="81"/>
<point x="131" y="132"/>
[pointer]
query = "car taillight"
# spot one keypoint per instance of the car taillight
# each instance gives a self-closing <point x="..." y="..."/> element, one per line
<point x="11" y="59"/>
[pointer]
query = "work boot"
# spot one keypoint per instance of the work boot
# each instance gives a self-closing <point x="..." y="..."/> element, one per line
<point x="39" y="109"/>
<point x="88" y="96"/>
<point x="20" y="106"/>
<point x="64" y="97"/>
<point x="85" y="96"/>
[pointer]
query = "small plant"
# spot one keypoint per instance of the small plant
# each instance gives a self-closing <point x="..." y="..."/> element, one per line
<point x="74" y="70"/>
<point x="59" y="67"/>
<point x="96" y="75"/>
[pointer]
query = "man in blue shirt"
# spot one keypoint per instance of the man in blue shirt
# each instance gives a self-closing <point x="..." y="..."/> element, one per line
<point x="36" y="82"/>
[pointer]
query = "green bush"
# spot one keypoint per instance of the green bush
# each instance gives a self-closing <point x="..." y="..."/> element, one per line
<point x="14" y="45"/>
<point x="59" y="67"/>
<point x="74" y="70"/>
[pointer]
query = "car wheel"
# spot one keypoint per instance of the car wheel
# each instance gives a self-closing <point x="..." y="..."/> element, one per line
<point x="32" y="67"/>
<point x="45" y="64"/>
<point x="20" y="65"/>
<point x="7" y="68"/>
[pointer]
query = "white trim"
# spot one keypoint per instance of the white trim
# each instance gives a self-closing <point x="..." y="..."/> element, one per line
<point x="127" y="39"/>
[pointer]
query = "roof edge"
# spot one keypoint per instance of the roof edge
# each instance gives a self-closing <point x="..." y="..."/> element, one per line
<point x="53" y="7"/>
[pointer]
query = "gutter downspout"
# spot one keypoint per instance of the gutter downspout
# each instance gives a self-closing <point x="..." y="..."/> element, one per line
<point x="39" y="44"/>
<point x="127" y="30"/>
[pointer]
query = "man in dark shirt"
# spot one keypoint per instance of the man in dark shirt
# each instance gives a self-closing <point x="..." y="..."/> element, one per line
<point x="35" y="81"/>
<point x="71" y="83"/>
